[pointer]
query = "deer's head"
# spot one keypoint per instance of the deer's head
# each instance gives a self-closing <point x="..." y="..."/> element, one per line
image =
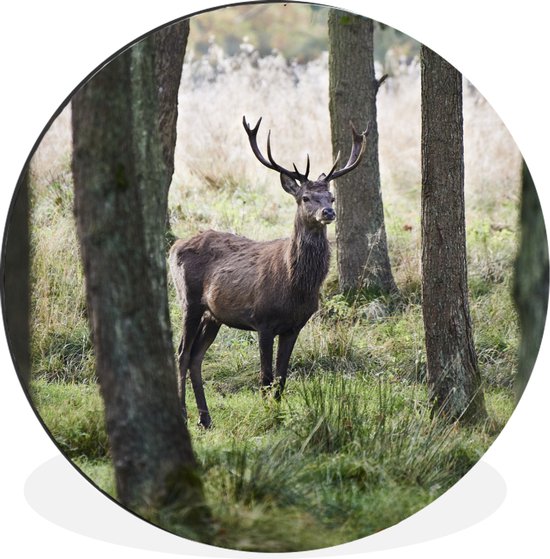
<point x="314" y="199"/>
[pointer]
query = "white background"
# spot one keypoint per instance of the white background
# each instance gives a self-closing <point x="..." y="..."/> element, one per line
<point x="48" y="48"/>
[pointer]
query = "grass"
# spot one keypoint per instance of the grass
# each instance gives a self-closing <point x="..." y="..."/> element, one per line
<point x="351" y="449"/>
<point x="362" y="452"/>
<point x="79" y="429"/>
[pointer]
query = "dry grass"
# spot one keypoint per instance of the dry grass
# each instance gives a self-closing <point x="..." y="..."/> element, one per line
<point x="53" y="154"/>
<point x="217" y="90"/>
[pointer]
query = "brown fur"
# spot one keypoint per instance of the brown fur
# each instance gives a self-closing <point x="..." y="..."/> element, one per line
<point x="271" y="287"/>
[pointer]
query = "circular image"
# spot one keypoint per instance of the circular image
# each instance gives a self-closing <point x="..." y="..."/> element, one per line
<point x="284" y="276"/>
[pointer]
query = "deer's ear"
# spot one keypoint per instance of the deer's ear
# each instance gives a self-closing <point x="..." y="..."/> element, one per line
<point x="290" y="185"/>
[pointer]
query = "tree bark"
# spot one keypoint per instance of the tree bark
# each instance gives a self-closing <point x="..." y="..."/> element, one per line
<point x="363" y="260"/>
<point x="169" y="45"/>
<point x="453" y="376"/>
<point x="121" y="191"/>
<point x="16" y="280"/>
<point x="531" y="280"/>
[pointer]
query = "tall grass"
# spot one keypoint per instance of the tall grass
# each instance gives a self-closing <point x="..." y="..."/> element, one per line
<point x="60" y="338"/>
<point x="388" y="427"/>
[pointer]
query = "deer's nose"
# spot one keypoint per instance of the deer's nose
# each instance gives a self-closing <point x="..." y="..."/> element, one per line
<point x="328" y="213"/>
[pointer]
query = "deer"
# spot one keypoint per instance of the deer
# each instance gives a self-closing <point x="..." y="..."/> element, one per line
<point x="271" y="287"/>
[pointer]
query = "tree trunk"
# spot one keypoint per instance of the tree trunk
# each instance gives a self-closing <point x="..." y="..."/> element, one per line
<point x="121" y="192"/>
<point x="16" y="279"/>
<point x="363" y="260"/>
<point x="453" y="375"/>
<point x="531" y="280"/>
<point x="170" y="44"/>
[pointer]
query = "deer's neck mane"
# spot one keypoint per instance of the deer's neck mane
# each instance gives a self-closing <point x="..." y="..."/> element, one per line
<point x="308" y="258"/>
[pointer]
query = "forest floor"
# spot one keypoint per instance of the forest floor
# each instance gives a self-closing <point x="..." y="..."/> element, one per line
<point x="342" y="457"/>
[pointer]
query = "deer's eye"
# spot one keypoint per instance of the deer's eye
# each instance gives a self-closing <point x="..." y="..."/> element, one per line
<point x="305" y="198"/>
<point x="333" y="199"/>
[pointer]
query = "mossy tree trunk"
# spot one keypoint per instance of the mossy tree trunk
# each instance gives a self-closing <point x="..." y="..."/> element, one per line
<point x="453" y="376"/>
<point x="170" y="44"/>
<point x="121" y="192"/>
<point x="531" y="280"/>
<point x="363" y="260"/>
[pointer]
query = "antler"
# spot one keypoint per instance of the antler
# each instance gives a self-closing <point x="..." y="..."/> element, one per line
<point x="271" y="164"/>
<point x="357" y="151"/>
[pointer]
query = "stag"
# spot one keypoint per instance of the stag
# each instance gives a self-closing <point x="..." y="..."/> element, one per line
<point x="270" y="287"/>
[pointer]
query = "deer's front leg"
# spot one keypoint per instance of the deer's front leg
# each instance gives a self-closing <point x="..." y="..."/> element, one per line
<point x="266" y="357"/>
<point x="284" y="351"/>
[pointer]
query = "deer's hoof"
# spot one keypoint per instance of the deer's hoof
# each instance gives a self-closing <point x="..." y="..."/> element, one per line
<point x="205" y="421"/>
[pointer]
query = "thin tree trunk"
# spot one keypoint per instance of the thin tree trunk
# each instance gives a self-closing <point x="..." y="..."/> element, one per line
<point x="363" y="260"/>
<point x="531" y="280"/>
<point x="453" y="375"/>
<point x="121" y="191"/>
<point x="16" y="279"/>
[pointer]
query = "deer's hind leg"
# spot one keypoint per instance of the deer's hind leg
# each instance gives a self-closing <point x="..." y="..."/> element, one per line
<point x="265" y="339"/>
<point x="191" y="325"/>
<point x="208" y="331"/>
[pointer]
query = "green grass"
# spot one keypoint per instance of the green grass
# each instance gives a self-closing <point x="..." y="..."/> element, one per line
<point x="341" y="457"/>
<point x="73" y="414"/>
